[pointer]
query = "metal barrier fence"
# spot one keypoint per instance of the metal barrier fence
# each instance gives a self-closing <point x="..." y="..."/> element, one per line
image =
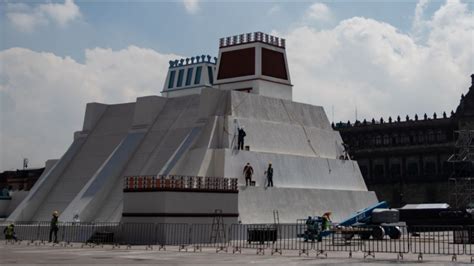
<point x="448" y="240"/>
<point x="258" y="236"/>
<point x="443" y="240"/>
<point x="172" y="234"/>
<point x="209" y="235"/>
<point x="468" y="239"/>
<point x="136" y="234"/>
<point x="68" y="232"/>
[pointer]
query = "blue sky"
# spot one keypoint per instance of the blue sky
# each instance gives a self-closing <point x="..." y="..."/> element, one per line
<point x="168" y="27"/>
<point x="383" y="58"/>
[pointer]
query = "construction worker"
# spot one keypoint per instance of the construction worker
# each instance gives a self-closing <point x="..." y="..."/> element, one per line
<point x="248" y="172"/>
<point x="240" y="139"/>
<point x="311" y="230"/>
<point x="76" y="219"/>
<point x="54" y="227"/>
<point x="269" y="174"/>
<point x="326" y="224"/>
<point x="345" y="148"/>
<point x="9" y="232"/>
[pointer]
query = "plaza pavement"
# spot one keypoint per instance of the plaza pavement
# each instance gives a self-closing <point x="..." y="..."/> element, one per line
<point x="136" y="255"/>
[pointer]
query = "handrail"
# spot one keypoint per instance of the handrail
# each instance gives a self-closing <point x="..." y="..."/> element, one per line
<point x="172" y="182"/>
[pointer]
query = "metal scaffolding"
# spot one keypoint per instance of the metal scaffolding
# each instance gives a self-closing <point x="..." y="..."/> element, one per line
<point x="464" y="147"/>
<point x="461" y="192"/>
<point x="461" y="182"/>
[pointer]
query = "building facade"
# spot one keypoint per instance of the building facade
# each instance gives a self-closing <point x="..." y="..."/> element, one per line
<point x="406" y="160"/>
<point x="21" y="179"/>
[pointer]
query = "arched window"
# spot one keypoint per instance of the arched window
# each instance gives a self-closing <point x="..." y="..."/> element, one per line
<point x="395" y="170"/>
<point x="378" y="140"/>
<point x="413" y="137"/>
<point x="404" y="139"/>
<point x="355" y="141"/>
<point x="430" y="168"/>
<point x="369" y="140"/>
<point x="395" y="139"/>
<point x="421" y="137"/>
<point x="412" y="169"/>
<point x="431" y="136"/>
<point x="379" y="171"/>
<point x="441" y="136"/>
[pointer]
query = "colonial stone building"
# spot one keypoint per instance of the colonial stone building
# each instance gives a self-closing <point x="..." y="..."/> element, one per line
<point x="21" y="179"/>
<point x="405" y="160"/>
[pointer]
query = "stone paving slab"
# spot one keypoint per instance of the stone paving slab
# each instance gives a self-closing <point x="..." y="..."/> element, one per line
<point x="136" y="255"/>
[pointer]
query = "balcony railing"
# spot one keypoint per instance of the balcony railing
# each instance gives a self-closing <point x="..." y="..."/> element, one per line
<point x="180" y="183"/>
<point x="252" y="37"/>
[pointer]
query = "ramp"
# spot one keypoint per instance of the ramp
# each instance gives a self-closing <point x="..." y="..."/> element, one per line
<point x="168" y="135"/>
<point x="87" y="153"/>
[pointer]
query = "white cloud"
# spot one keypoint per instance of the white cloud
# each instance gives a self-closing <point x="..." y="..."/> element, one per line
<point x="26" y="22"/>
<point x="274" y="10"/>
<point x="26" y="18"/>
<point x="373" y="66"/>
<point x="418" y="21"/>
<point x="61" y="13"/>
<point x="191" y="6"/>
<point x="43" y="96"/>
<point x="319" y="12"/>
<point x="360" y="62"/>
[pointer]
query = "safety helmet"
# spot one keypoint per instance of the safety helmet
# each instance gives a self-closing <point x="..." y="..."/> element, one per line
<point x="55" y="213"/>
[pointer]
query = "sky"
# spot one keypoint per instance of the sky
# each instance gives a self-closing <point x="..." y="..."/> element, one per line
<point x="364" y="59"/>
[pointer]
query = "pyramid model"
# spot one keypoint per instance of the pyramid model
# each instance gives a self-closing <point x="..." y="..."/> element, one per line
<point x="192" y="131"/>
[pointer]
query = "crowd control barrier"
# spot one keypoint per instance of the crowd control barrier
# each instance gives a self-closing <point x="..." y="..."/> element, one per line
<point x="262" y="238"/>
